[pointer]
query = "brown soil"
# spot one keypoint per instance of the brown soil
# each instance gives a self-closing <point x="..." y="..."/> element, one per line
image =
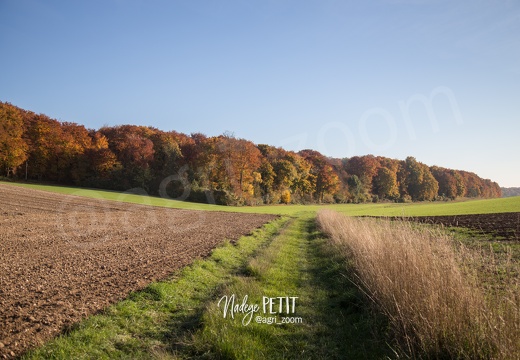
<point x="64" y="257"/>
<point x="503" y="226"/>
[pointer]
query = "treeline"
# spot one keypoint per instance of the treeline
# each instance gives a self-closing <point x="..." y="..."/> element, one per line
<point x="219" y="169"/>
<point x="512" y="191"/>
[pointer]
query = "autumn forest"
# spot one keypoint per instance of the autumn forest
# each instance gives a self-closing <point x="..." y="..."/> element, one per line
<point x="215" y="169"/>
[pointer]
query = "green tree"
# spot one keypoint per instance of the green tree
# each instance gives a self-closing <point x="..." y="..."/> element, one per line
<point x="285" y="174"/>
<point x="356" y="189"/>
<point x="267" y="175"/>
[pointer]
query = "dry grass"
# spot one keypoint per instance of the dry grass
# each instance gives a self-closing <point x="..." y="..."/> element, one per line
<point x="435" y="305"/>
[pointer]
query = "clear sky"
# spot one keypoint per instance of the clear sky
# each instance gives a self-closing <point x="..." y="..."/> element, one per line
<point x="438" y="80"/>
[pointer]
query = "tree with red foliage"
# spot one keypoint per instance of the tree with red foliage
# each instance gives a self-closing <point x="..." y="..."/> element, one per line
<point x="447" y="182"/>
<point x="327" y="181"/>
<point x="134" y="150"/>
<point x="364" y="167"/>
<point x="240" y="158"/>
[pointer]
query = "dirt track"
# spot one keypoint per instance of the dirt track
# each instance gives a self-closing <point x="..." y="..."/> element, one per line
<point x="65" y="257"/>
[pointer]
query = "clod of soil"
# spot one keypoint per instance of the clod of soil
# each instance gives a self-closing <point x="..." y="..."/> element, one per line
<point x="64" y="257"/>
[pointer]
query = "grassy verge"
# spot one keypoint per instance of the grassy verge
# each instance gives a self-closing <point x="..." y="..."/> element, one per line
<point x="152" y="322"/>
<point x="435" y="304"/>
<point x="480" y="206"/>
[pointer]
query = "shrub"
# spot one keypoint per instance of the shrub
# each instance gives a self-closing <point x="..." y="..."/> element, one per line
<point x="286" y="197"/>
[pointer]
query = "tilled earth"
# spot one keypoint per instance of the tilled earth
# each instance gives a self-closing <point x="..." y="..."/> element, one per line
<point x="504" y="226"/>
<point x="64" y="257"/>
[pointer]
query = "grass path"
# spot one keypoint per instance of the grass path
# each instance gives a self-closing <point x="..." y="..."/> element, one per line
<point x="335" y="322"/>
<point x="181" y="318"/>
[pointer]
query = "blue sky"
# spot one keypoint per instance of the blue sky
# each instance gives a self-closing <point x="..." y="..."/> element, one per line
<point x="438" y="80"/>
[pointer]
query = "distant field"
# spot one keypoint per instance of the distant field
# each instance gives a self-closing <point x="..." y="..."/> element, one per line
<point x="486" y="206"/>
<point x="483" y="206"/>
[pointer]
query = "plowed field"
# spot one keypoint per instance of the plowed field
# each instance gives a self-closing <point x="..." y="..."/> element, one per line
<point x="64" y="257"/>
<point x="502" y="226"/>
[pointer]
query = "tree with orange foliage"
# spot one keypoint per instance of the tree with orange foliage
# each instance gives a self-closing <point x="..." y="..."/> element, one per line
<point x="327" y="180"/>
<point x="97" y="164"/>
<point x="304" y="183"/>
<point x="13" y="149"/>
<point x="385" y="184"/>
<point x="75" y="140"/>
<point x="240" y="158"/>
<point x="421" y="183"/>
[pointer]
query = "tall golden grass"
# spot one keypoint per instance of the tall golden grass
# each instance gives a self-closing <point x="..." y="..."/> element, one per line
<point x="436" y="307"/>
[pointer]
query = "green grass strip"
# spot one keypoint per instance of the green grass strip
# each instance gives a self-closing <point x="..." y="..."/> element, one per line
<point x="335" y="320"/>
<point x="150" y="323"/>
<point x="477" y="206"/>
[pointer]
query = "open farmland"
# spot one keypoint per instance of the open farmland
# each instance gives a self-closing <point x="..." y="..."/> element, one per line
<point x="84" y="252"/>
<point x="427" y="208"/>
<point x="65" y="257"/>
<point x="504" y="226"/>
